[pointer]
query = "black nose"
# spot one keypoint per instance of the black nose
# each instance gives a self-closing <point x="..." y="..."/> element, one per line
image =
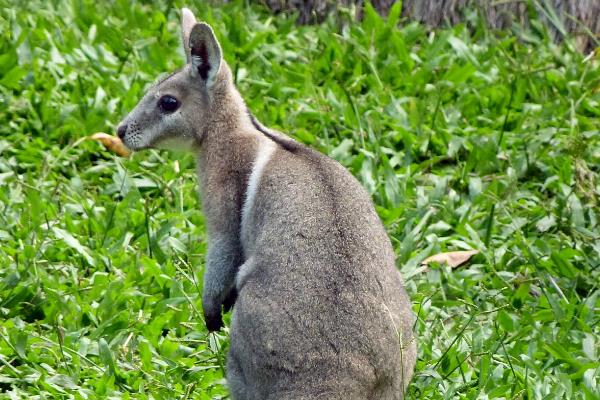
<point x="121" y="131"/>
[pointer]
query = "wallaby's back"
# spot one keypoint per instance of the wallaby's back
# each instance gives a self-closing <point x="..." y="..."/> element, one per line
<point x="321" y="311"/>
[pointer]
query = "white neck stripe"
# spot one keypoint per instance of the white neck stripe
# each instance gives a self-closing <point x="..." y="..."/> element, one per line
<point x="266" y="148"/>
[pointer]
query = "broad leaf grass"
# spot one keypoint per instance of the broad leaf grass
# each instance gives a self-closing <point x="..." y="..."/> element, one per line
<point x="466" y="138"/>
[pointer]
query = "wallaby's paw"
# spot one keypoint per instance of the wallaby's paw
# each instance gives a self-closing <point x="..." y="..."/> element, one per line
<point x="230" y="300"/>
<point x="212" y="314"/>
<point x="214" y="322"/>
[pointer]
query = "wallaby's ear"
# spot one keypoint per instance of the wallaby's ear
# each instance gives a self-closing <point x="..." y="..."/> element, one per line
<point x="205" y="53"/>
<point x="187" y="23"/>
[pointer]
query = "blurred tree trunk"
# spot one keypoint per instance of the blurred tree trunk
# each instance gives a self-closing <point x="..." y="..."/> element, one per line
<point x="580" y="18"/>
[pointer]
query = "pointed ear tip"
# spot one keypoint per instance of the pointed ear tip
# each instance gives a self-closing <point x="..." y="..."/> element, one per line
<point x="186" y="13"/>
<point x="202" y="29"/>
<point x="205" y="26"/>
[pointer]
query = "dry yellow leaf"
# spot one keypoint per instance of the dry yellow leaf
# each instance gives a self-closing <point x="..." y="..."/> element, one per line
<point x="452" y="258"/>
<point x="112" y="143"/>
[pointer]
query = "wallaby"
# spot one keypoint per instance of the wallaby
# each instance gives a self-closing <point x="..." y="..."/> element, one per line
<point x="294" y="244"/>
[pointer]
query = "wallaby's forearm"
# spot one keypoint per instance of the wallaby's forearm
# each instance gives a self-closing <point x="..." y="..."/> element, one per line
<point x="223" y="177"/>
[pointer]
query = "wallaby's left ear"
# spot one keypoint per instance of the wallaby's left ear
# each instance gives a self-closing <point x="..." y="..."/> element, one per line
<point x="187" y="23"/>
<point x="205" y="53"/>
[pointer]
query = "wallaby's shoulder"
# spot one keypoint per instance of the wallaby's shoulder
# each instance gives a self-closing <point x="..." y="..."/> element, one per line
<point x="297" y="150"/>
<point x="286" y="142"/>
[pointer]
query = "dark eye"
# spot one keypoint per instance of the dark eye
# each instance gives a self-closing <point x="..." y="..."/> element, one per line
<point x="168" y="103"/>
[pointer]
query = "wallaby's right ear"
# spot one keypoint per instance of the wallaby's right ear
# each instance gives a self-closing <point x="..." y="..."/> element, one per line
<point x="205" y="53"/>
<point x="187" y="23"/>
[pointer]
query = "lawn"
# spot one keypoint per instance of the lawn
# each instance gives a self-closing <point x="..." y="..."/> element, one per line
<point x="466" y="138"/>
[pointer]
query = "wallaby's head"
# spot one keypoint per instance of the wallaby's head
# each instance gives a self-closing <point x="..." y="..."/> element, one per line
<point x="177" y="110"/>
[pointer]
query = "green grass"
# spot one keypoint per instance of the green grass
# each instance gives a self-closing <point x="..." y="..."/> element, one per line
<point x="466" y="138"/>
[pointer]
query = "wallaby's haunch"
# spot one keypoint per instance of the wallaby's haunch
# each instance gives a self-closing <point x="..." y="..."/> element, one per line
<point x="295" y="245"/>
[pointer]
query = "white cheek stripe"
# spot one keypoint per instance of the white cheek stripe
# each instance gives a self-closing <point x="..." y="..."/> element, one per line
<point x="263" y="155"/>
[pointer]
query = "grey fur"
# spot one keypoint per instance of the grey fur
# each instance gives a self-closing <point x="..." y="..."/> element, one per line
<point x="321" y="312"/>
